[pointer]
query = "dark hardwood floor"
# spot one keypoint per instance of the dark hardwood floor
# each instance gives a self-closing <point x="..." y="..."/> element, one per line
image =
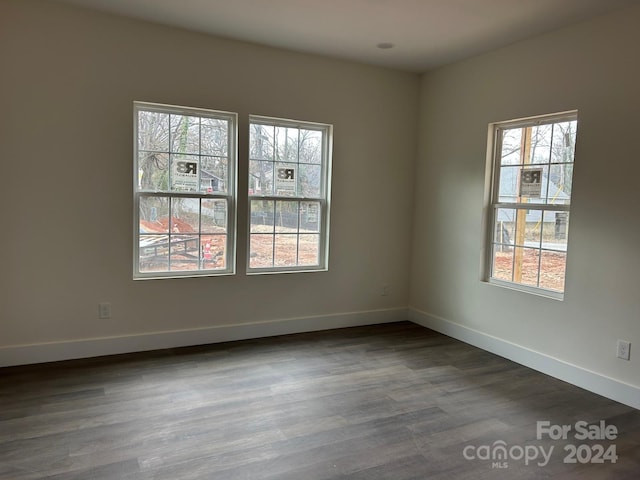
<point x="393" y="401"/>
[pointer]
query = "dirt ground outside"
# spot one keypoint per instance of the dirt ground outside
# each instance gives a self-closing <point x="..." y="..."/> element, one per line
<point x="185" y="250"/>
<point x="552" y="268"/>
<point x="286" y="247"/>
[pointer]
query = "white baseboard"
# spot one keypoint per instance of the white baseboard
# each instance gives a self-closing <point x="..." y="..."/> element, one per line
<point x="67" y="350"/>
<point x="95" y="347"/>
<point x="594" y="382"/>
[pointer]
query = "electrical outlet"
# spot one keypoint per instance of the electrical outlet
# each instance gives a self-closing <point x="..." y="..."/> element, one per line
<point x="385" y="290"/>
<point x="624" y="350"/>
<point x="104" y="311"/>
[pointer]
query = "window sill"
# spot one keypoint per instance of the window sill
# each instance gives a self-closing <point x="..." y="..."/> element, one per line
<point x="541" y="292"/>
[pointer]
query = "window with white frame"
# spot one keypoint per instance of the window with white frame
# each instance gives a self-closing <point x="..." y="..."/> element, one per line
<point x="184" y="191"/>
<point x="532" y="173"/>
<point x="289" y="180"/>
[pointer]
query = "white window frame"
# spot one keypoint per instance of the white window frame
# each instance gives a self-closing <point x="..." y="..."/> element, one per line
<point x="229" y="196"/>
<point x="493" y="204"/>
<point x="324" y="199"/>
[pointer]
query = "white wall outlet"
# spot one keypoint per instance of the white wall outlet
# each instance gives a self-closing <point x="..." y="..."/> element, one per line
<point x="104" y="311"/>
<point x="624" y="350"/>
<point x="384" y="291"/>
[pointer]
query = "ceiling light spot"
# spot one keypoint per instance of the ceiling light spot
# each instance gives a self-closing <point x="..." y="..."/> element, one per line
<point x="385" y="45"/>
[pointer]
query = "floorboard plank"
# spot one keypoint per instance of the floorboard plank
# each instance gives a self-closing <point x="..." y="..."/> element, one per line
<point x="394" y="401"/>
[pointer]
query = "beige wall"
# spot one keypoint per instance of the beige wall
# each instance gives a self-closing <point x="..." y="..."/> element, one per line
<point x="68" y="81"/>
<point x="593" y="67"/>
<point x="67" y="84"/>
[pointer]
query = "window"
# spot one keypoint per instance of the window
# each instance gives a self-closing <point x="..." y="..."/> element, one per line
<point x="532" y="172"/>
<point x="289" y="171"/>
<point x="184" y="191"/>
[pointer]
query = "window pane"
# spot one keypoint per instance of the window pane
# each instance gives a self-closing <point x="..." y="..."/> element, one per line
<point x="508" y="189"/>
<point x="286" y="179"/>
<point x="511" y="145"/>
<point x="262" y="216"/>
<point x="214" y="255"/>
<point x="546" y="189"/>
<point x="505" y="223"/>
<point x="541" y="143"/>
<point x="185" y="215"/>
<point x="153" y="171"/>
<point x="309" y="180"/>
<point x="154" y="253"/>
<point x="153" y="131"/>
<point x="261" y="251"/>
<point x="525" y="266"/>
<point x="556" y="229"/>
<point x="213" y="175"/>
<point x="552" y="270"/>
<point x="519" y="232"/>
<point x="308" y="249"/>
<point x="260" y="178"/>
<point x="154" y="215"/>
<point x="261" y="142"/>
<point x="213" y="216"/>
<point x="564" y="141"/>
<point x="185" y="252"/>
<point x="185" y="134"/>
<point x="286" y="219"/>
<point x="560" y="184"/>
<point x="309" y="217"/>
<point x="502" y="265"/>
<point x="310" y="146"/>
<point x="286" y="250"/>
<point x="286" y="144"/>
<point x="533" y="228"/>
<point x="214" y="137"/>
<point x="532" y="184"/>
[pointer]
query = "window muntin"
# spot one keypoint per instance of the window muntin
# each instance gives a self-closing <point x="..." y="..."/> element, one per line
<point x="184" y="191"/>
<point x="289" y="170"/>
<point x="530" y="204"/>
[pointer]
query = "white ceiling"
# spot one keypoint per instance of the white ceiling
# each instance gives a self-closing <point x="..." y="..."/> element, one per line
<point x="425" y="33"/>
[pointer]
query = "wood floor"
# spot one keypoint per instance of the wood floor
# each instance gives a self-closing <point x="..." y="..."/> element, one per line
<point x="394" y="401"/>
